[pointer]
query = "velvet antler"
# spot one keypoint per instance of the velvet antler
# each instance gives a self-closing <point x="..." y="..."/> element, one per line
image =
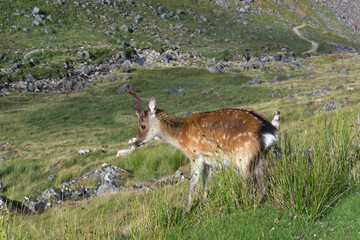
<point x="130" y="90"/>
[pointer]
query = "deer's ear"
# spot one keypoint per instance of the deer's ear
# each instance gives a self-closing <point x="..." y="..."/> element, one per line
<point x="152" y="106"/>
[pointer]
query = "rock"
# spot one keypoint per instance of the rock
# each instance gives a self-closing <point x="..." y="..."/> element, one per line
<point x="212" y="69"/>
<point x="48" y="31"/>
<point x="178" y="173"/>
<point x="104" y="66"/>
<point x="36" y="23"/>
<point x="80" y="194"/>
<point x="290" y="97"/>
<point x="30" y="77"/>
<point x="268" y="28"/>
<point x="171" y="90"/>
<point x="343" y="71"/>
<point x="107" y="188"/>
<point x="179" y="11"/>
<point x="36" y="10"/>
<point x="12" y="206"/>
<point x="315" y="93"/>
<point x="219" y="67"/>
<point x="88" y="84"/>
<point x="125" y="66"/>
<point x="124" y="28"/>
<point x="181" y="89"/>
<point x="123" y="77"/>
<point x="22" y="85"/>
<point x="52" y="177"/>
<point x="84" y="54"/>
<point x="218" y="94"/>
<point x="83" y="152"/>
<point x="203" y="19"/>
<point x="2" y="94"/>
<point x="78" y="87"/>
<point x="54" y="168"/>
<point x="31" y="87"/>
<point x="340" y="87"/>
<point x="54" y="195"/>
<point x="2" y="159"/>
<point x="110" y="76"/>
<point x="252" y="82"/>
<point x="121" y="90"/>
<point x="329" y="107"/>
<point x="85" y="70"/>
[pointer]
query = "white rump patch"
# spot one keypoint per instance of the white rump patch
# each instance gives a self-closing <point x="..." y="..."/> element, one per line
<point x="270" y="139"/>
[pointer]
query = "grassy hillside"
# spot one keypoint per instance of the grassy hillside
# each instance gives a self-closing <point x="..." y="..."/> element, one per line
<point x="44" y="130"/>
<point x="65" y="27"/>
<point x="313" y="173"/>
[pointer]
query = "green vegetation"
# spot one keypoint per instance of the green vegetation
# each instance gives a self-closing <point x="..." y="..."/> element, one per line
<point x="223" y="35"/>
<point x="312" y="183"/>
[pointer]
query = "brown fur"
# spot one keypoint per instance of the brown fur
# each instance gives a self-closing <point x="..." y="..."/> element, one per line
<point x="234" y="135"/>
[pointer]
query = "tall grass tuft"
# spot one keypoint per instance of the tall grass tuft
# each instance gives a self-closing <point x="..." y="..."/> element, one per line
<point x="314" y="169"/>
<point x="10" y="226"/>
<point x="162" y="210"/>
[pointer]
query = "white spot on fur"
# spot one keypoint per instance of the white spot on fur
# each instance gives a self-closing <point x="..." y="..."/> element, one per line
<point x="250" y="134"/>
<point x="244" y="121"/>
<point x="270" y="139"/>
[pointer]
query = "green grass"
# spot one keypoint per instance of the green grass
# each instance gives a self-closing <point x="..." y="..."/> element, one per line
<point x="81" y="30"/>
<point x="270" y="223"/>
<point x="48" y="129"/>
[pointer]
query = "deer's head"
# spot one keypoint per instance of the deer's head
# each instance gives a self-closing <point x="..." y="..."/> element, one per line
<point x="148" y="123"/>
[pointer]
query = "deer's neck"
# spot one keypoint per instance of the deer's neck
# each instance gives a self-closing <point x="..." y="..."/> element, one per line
<point x="170" y="127"/>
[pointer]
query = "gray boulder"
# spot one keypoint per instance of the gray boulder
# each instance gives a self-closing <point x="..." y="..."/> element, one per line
<point x="85" y="70"/>
<point x="121" y="90"/>
<point x="252" y="82"/>
<point x="83" y="54"/>
<point x="11" y="206"/>
<point x="22" y="85"/>
<point x="124" y="28"/>
<point x="125" y="66"/>
<point x="329" y="107"/>
<point x="36" y="10"/>
<point x="78" y="87"/>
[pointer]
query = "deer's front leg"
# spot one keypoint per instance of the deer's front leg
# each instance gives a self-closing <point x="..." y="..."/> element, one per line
<point x="196" y="167"/>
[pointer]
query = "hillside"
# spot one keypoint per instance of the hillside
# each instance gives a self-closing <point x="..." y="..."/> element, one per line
<point x="44" y="37"/>
<point x="64" y="116"/>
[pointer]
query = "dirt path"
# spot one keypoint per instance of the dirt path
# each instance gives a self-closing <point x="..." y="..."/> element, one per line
<point x="314" y="45"/>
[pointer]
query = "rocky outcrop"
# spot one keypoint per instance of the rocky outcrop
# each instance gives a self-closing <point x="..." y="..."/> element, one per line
<point x="104" y="181"/>
<point x="347" y="12"/>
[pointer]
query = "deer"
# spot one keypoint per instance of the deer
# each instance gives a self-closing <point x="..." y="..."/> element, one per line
<point x="238" y="136"/>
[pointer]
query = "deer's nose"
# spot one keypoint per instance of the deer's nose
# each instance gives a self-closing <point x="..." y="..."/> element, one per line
<point x="137" y="144"/>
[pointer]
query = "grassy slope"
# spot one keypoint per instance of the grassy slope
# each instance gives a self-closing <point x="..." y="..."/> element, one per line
<point x="80" y="29"/>
<point x="270" y="223"/>
<point x="47" y="129"/>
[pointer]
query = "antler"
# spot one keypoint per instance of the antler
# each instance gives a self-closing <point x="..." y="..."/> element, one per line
<point x="130" y="90"/>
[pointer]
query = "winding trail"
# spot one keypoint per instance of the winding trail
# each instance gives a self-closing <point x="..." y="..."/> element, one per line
<point x="314" y="45"/>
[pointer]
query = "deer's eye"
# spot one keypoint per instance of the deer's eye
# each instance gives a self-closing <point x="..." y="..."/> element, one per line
<point x="143" y="127"/>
